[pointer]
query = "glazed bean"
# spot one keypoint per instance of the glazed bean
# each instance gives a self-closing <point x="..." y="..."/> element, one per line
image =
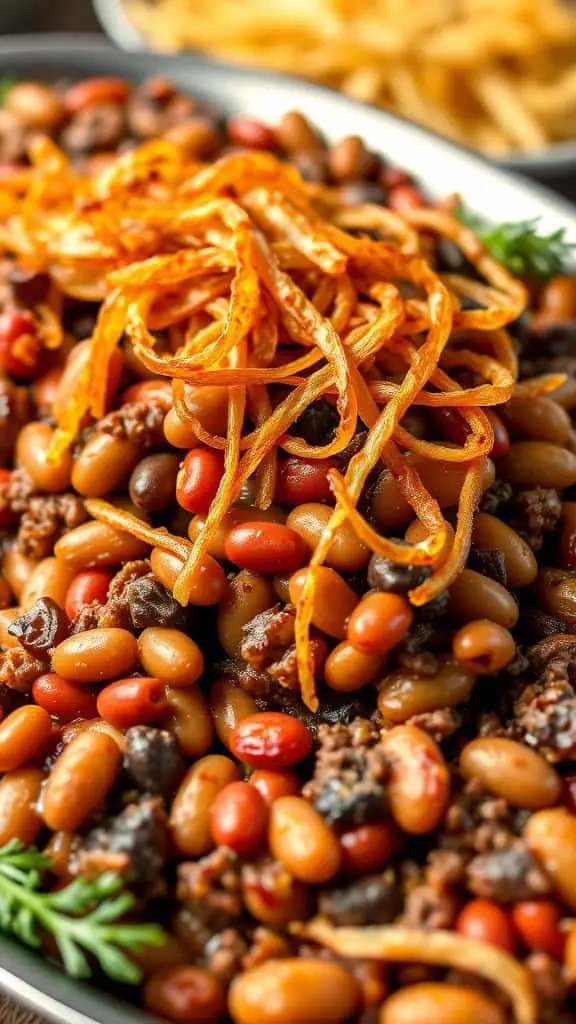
<point x="348" y="669"/>
<point x="349" y="160"/>
<point x="153" y="482"/>
<point x="273" y="784"/>
<point x="483" y="647"/>
<point x="19" y="815"/>
<point x="379" y="623"/>
<point x="137" y="700"/>
<point x="558" y="298"/>
<point x="32" y="446"/>
<point x="36" y="104"/>
<point x="191" y="721"/>
<point x="539" y="419"/>
<point x="208" y="584"/>
<point x="303" y="480"/>
<point x="66" y="701"/>
<point x="245" y="131"/>
<point x="198" y="136"/>
<point x="474" y="596"/>
<point x="404" y="693"/>
<point x="281" y="586"/>
<point x="248" y="595"/>
<point x="239" y="816"/>
<point x="24" y="735"/>
<point x="170" y="655"/>
<point x="70" y="381"/>
<point x="96" y="545"/>
<point x="419" y="781"/>
<point x="294" y="991"/>
<point x="191" y="807"/>
<point x="49" y="578"/>
<point x="443" y="479"/>
<point x="179" y="433"/>
<point x="567" y="544"/>
<point x="7" y="617"/>
<point x="95" y="655"/>
<point x="85" y="588"/>
<point x="557" y="593"/>
<point x="485" y="921"/>
<point x="334" y="601"/>
<point x="551" y="838"/>
<point x="17" y="570"/>
<point x="434" y="1002"/>
<point x="92" y="91"/>
<point x="538" y="922"/>
<point x="369" y="847"/>
<point x="158" y="389"/>
<point x="271" y="739"/>
<point x="538" y="464"/>
<point x="229" y="704"/>
<point x="266" y="548"/>
<point x="199" y="478"/>
<point x="60" y="849"/>
<point x="346" y="553"/>
<point x="512" y="771"/>
<point x="235" y="517"/>
<point x="93" y="725"/>
<point x="275" y="905"/>
<point x="296" y="135"/>
<point x="519" y="559"/>
<point x="103" y="464"/>
<point x="80" y="780"/>
<point x="186" y="993"/>
<point x="417" y="532"/>
<point x="300" y="839"/>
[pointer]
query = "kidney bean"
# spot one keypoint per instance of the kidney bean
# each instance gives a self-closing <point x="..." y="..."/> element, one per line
<point x="239" y="816"/>
<point x="103" y="464"/>
<point x="191" y="721"/>
<point x="170" y="655"/>
<point x="348" y="669"/>
<point x="133" y="701"/>
<point x="485" y="921"/>
<point x="266" y="548"/>
<point x="474" y="596"/>
<point x="199" y="478"/>
<point x="294" y="991"/>
<point x="551" y="838"/>
<point x="208" y="583"/>
<point x="95" y="545"/>
<point x="73" y="371"/>
<point x="246" y="131"/>
<point x="271" y="739"/>
<point x="153" y="482"/>
<point x="17" y="570"/>
<point x="24" y="735"/>
<point x="300" y="839"/>
<point x="483" y="647"/>
<point x="434" y="1002"/>
<point x="538" y="464"/>
<point x="158" y="389"/>
<point x="229" y="704"/>
<point x="40" y="628"/>
<point x="80" y="780"/>
<point x="62" y="699"/>
<point x="186" y="993"/>
<point x="404" y="693"/>
<point x="191" y="808"/>
<point x="369" y="847"/>
<point x="84" y="589"/>
<point x="443" y="479"/>
<point x="36" y="104"/>
<point x="49" y="578"/>
<point x="540" y="419"/>
<point x="511" y="770"/>
<point x="490" y="532"/>
<point x="346" y="554"/>
<point x="379" y="623"/>
<point x="32" y="447"/>
<point x="404" y="198"/>
<point x="303" y="480"/>
<point x="235" y="517"/>
<point x="279" y="903"/>
<point x="334" y="601"/>
<point x="179" y="433"/>
<point x="273" y="784"/>
<point x="419" y="781"/>
<point x="19" y="815"/>
<point x="91" y="91"/>
<point x="96" y="655"/>
<point x="248" y="595"/>
<point x="556" y="591"/>
<point x="538" y="924"/>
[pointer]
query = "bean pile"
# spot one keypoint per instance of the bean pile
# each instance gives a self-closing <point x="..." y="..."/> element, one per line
<point x="435" y="788"/>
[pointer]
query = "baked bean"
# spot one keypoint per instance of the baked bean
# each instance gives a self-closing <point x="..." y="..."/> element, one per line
<point x="91" y="91"/>
<point x="239" y="816"/>
<point x="485" y="921"/>
<point x="208" y="583"/>
<point x="303" y="480"/>
<point x="474" y="596"/>
<point x="348" y="669"/>
<point x="417" y="532"/>
<point x="551" y="838"/>
<point x="191" y="721"/>
<point x="158" y="389"/>
<point x="17" y="570"/>
<point x="246" y="131"/>
<point x="191" y="807"/>
<point x="32" y="447"/>
<point x="443" y="479"/>
<point x="434" y="1002"/>
<point x="379" y="623"/>
<point x="490" y="532"/>
<point x="96" y="545"/>
<point x="567" y="545"/>
<point x="278" y="904"/>
<point x="512" y="771"/>
<point x="95" y="655"/>
<point x="404" y="693"/>
<point x="538" y="924"/>
<point x="73" y="371"/>
<point x="281" y="586"/>
<point x="557" y="593"/>
<point x="80" y="780"/>
<point x="248" y="595"/>
<point x="294" y="991"/>
<point x="45" y="388"/>
<point x="186" y="993"/>
<point x="66" y="701"/>
<point x="266" y="547"/>
<point x="349" y="160"/>
<point x="199" y="478"/>
<point x="85" y="588"/>
<point x="7" y="617"/>
<point x="170" y="655"/>
<point x="346" y="553"/>
<point x="179" y="433"/>
<point x="60" y="849"/>
<point x="103" y="464"/>
<point x="334" y="601"/>
<point x="538" y="419"/>
<point x="565" y="394"/>
<point x="24" y="735"/>
<point x="483" y="647"/>
<point x="538" y="464"/>
<point x="49" y="578"/>
<point x="234" y="517"/>
<point x="93" y="725"/>
<point x="153" y="482"/>
<point x="271" y="739"/>
<point x="36" y="104"/>
<point x="558" y="298"/>
<point x="133" y="701"/>
<point x="300" y="839"/>
<point x="272" y="784"/>
<point x="419" y="781"/>
<point x="229" y="704"/>
<point x="199" y="137"/>
<point x="369" y="847"/>
<point x="295" y="134"/>
<point x="19" y="815"/>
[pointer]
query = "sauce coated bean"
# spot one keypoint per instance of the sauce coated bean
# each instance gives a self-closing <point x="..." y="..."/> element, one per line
<point x="295" y="991"/>
<point x="443" y="479"/>
<point x="24" y="735"/>
<point x="133" y="701"/>
<point x="96" y="545"/>
<point x="153" y="482"/>
<point x="551" y="838"/>
<point x="36" y="104"/>
<point x="236" y="516"/>
<point x="49" y="578"/>
<point x="104" y="463"/>
<point x="17" y="570"/>
<point x="207" y="585"/>
<point x="299" y="838"/>
<point x="540" y="419"/>
<point x="538" y="464"/>
<point x="474" y="596"/>
<point x="191" y="721"/>
<point x="248" y="595"/>
<point x="191" y="807"/>
<point x="334" y="601"/>
<point x="32" y="446"/>
<point x="229" y="704"/>
<point x="95" y="655"/>
<point x="519" y="559"/>
<point x="80" y="780"/>
<point x="512" y="771"/>
<point x="346" y="553"/>
<point x="439" y="1003"/>
<point x="419" y="783"/>
<point x="348" y="669"/>
<point x="170" y="655"/>
<point x="184" y="994"/>
<point x="405" y="694"/>
<point x="19" y="815"/>
<point x="266" y="548"/>
<point x="379" y="622"/>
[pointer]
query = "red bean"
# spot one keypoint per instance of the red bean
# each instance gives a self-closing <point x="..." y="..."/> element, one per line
<point x="369" y="847"/>
<point x="486" y="922"/>
<point x="303" y="480"/>
<point x="19" y="347"/>
<point x="239" y="817"/>
<point x="86" y="588"/>
<point x="538" y="924"/>
<point x="63" y="699"/>
<point x="133" y="701"/>
<point x="95" y="90"/>
<point x="198" y="479"/>
<point x="246" y="131"/>
<point x="271" y="739"/>
<point x="267" y="548"/>
<point x="273" y="784"/>
<point x="404" y="198"/>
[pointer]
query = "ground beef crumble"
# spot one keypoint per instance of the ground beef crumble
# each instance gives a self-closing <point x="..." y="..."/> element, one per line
<point x="46" y="518"/>
<point x="535" y="513"/>
<point x="139" y="422"/>
<point x="348" y="785"/>
<point x="19" y="669"/>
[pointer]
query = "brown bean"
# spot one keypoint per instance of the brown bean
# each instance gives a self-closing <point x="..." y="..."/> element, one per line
<point x="190" y="815"/>
<point x="248" y="595"/>
<point x="539" y="419"/>
<point x="229" y="704"/>
<point x="404" y="694"/>
<point x="153" y="481"/>
<point x="474" y="596"/>
<point x="32" y="446"/>
<point x="233" y="518"/>
<point x="7" y="616"/>
<point x="191" y="721"/>
<point x="74" y="729"/>
<point x="179" y="433"/>
<point x="519" y="559"/>
<point x="95" y="655"/>
<point x="483" y="647"/>
<point x="567" y="544"/>
<point x="19" y="815"/>
<point x="348" y="669"/>
<point x="80" y="780"/>
<point x="346" y="553"/>
<point x="419" y="781"/>
<point x="294" y="991"/>
<point x="334" y="601"/>
<point x="24" y="735"/>
<point x="103" y="464"/>
<point x="278" y="905"/>
<point x="551" y="838"/>
<point x="300" y="839"/>
<point x="17" y="569"/>
<point x="349" y="160"/>
<point x="443" y="479"/>
<point x="434" y="1002"/>
<point x="198" y="136"/>
<point x="208" y="584"/>
<point x="170" y="655"/>
<point x="60" y="849"/>
<point x="512" y="771"/>
<point x="36" y="104"/>
<point x="556" y="591"/>
<point x="96" y="545"/>
<point x="538" y="464"/>
<point x="558" y="298"/>
<point x="49" y="578"/>
<point x="186" y="993"/>
<point x="565" y="394"/>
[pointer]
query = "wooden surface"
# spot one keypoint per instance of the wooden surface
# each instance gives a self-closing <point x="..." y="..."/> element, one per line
<point x="10" y="1013"/>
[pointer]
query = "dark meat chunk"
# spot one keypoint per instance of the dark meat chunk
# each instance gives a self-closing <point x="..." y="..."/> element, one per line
<point x="348" y="785"/>
<point x="139" y="422"/>
<point x="89" y="617"/>
<point x="489" y="562"/>
<point x="496" y="497"/>
<point x="268" y="635"/>
<point x="29" y="287"/>
<point x="373" y="900"/>
<point x="553" y="341"/>
<point x="211" y="893"/>
<point x="153" y="760"/>
<point x="477" y="822"/>
<point x="151" y="604"/>
<point x="19" y="669"/>
<point x="41" y="627"/>
<point x="134" y="843"/>
<point x="552" y="988"/>
<point x="116" y="611"/>
<point x="430" y="907"/>
<point x="535" y="625"/>
<point x="266" y="945"/>
<point x="224" y="953"/>
<point x="317" y="423"/>
<point x="99" y="126"/>
<point x="507" y="875"/>
<point x="46" y="518"/>
<point x="535" y="513"/>
<point x="284" y="671"/>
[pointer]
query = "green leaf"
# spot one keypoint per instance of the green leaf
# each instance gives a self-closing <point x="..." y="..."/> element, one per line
<point x="520" y="247"/>
<point x="5" y="86"/>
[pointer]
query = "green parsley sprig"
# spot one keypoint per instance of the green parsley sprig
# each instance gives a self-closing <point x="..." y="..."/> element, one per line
<point x="519" y="246"/>
<point x="5" y="86"/>
<point x="83" y="916"/>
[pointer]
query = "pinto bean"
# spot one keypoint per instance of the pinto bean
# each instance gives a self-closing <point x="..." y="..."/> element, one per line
<point x="191" y="807"/>
<point x="19" y="815"/>
<point x="419" y="779"/>
<point x="440" y="1003"/>
<point x="512" y="771"/>
<point x="294" y="991"/>
<point x="519" y="559"/>
<point x="80" y="780"/>
<point x="404" y="694"/>
<point x="551" y="838"/>
<point x="300" y="839"/>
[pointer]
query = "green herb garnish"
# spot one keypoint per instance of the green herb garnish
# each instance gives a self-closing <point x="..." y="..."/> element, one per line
<point x="82" y="917"/>
<point x="519" y="246"/>
<point x="5" y="86"/>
